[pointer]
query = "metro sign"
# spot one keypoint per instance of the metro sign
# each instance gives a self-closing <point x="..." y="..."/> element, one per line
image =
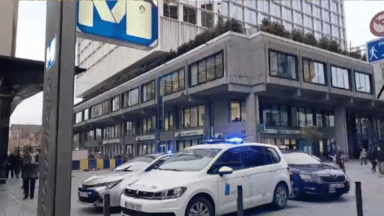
<point x="123" y="22"/>
<point x="50" y="55"/>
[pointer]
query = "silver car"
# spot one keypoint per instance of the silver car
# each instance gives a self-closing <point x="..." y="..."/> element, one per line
<point x="92" y="191"/>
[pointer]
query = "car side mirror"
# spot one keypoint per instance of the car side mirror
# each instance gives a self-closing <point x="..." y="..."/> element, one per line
<point x="225" y="170"/>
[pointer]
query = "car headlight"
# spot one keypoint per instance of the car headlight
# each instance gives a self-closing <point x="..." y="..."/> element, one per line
<point x="310" y="178"/>
<point x="112" y="184"/>
<point x="170" y="193"/>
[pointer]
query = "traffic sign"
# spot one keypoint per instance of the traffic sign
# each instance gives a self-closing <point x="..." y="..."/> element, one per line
<point x="375" y="50"/>
<point x="123" y="22"/>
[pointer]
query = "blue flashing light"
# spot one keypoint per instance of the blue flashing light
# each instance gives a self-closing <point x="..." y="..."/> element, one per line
<point x="169" y="152"/>
<point x="235" y="140"/>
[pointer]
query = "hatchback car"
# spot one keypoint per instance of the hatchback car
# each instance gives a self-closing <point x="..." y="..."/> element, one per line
<point x="203" y="180"/>
<point x="92" y="191"/>
<point x="310" y="176"/>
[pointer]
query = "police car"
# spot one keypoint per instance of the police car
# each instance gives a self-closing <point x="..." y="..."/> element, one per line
<point x="203" y="180"/>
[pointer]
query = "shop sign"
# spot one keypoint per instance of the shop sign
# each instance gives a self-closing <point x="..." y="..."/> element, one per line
<point x="111" y="141"/>
<point x="189" y="133"/>
<point x="146" y="137"/>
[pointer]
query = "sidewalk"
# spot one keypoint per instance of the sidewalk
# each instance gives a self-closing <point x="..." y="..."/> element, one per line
<point x="11" y="199"/>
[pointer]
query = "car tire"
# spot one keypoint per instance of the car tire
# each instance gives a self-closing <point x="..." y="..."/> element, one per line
<point x="199" y="206"/>
<point x="280" y="196"/>
<point x="295" y="193"/>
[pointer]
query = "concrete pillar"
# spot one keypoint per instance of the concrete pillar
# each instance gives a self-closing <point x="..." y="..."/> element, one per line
<point x="341" y="129"/>
<point x="5" y="114"/>
<point x="252" y="120"/>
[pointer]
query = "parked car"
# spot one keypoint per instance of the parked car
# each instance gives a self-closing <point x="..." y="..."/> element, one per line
<point x="310" y="176"/>
<point x="203" y="180"/>
<point x="92" y="191"/>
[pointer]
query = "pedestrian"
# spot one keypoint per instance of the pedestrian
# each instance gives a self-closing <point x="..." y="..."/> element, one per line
<point x="363" y="156"/>
<point x="380" y="159"/>
<point x="11" y="165"/>
<point x="340" y="160"/>
<point x="371" y="155"/>
<point x="30" y="173"/>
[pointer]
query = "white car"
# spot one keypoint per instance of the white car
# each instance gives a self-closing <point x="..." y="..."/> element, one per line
<point x="203" y="180"/>
<point x="92" y="191"/>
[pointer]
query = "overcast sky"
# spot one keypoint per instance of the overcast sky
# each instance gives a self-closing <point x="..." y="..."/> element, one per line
<point x="31" y="43"/>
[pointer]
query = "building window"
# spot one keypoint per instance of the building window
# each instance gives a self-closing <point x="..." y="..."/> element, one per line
<point x="316" y="12"/>
<point x="131" y="98"/>
<point x="224" y="8"/>
<point x="363" y="82"/>
<point x="308" y="22"/>
<point x="149" y="124"/>
<point x="100" y="109"/>
<point x="307" y="8"/>
<point x="78" y="117"/>
<point x="287" y="14"/>
<point x="327" y="28"/>
<point x="274" y="115"/>
<point x="206" y="19"/>
<point x="116" y="103"/>
<point x="263" y="6"/>
<point x="206" y="4"/>
<point x="325" y="15"/>
<point x="250" y="16"/>
<point x="236" y="11"/>
<point x="191" y="117"/>
<point x="317" y="25"/>
<point x="319" y="120"/>
<point x="238" y="111"/>
<point x="282" y="65"/>
<point x="275" y="10"/>
<point x="98" y="133"/>
<point x="298" y="18"/>
<point x="325" y="4"/>
<point x="189" y="15"/>
<point x="86" y="114"/>
<point x="340" y="77"/>
<point x="209" y="69"/>
<point x="172" y="82"/>
<point x="168" y="121"/>
<point x="148" y="91"/>
<point x="314" y="72"/>
<point x="170" y="10"/>
<point x="130" y="128"/>
<point x="91" y="135"/>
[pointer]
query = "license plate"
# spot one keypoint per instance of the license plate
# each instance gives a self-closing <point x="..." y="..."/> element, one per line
<point x="83" y="194"/>
<point x="340" y="185"/>
<point x="136" y="207"/>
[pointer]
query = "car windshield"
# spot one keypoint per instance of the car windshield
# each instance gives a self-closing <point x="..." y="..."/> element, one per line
<point x="136" y="164"/>
<point x="300" y="159"/>
<point x="190" y="159"/>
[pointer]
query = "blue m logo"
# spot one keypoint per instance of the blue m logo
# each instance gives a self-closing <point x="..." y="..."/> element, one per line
<point x="125" y="20"/>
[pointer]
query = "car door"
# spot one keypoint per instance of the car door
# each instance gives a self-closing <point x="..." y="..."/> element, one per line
<point x="261" y="176"/>
<point x="227" y="184"/>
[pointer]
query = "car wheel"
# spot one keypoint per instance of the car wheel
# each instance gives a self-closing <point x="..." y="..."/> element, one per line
<point x="280" y="196"/>
<point x="199" y="206"/>
<point x="295" y="190"/>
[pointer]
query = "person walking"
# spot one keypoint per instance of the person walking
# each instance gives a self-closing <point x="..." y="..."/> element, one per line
<point x="11" y="165"/>
<point x="30" y="172"/>
<point x="363" y="156"/>
<point x="371" y="155"/>
<point x="340" y="160"/>
<point x="380" y="159"/>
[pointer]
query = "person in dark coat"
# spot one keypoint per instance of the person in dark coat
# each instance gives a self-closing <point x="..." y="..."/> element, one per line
<point x="371" y="155"/>
<point x="30" y="172"/>
<point x="11" y="165"/>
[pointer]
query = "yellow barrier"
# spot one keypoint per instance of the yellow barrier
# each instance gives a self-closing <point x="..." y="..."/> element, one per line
<point x="84" y="164"/>
<point x="112" y="163"/>
<point x="100" y="163"/>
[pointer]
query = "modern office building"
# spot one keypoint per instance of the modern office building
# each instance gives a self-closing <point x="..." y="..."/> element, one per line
<point x="181" y="21"/>
<point x="260" y="87"/>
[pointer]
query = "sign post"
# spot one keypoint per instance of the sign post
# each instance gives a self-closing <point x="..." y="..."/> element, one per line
<point x="56" y="154"/>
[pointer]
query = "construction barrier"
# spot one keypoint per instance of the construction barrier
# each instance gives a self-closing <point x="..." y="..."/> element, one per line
<point x="84" y="164"/>
<point x="106" y="164"/>
<point x="92" y="164"/>
<point x="75" y="165"/>
<point x="100" y="164"/>
<point x="112" y="163"/>
<point x="119" y="162"/>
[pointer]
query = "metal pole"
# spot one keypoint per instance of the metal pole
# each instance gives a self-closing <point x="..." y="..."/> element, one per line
<point x="106" y="207"/>
<point x="359" y="199"/>
<point x="240" y="207"/>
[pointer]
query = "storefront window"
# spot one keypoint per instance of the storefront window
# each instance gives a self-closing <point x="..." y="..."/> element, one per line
<point x="187" y="118"/>
<point x="294" y="117"/>
<point x="201" y="115"/>
<point x="309" y="117"/>
<point x="194" y="117"/>
<point x="180" y="119"/>
<point x="301" y="117"/>
<point x="284" y="116"/>
<point x="319" y="120"/>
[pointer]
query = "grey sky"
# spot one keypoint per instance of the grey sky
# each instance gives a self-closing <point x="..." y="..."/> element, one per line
<point x="31" y="43"/>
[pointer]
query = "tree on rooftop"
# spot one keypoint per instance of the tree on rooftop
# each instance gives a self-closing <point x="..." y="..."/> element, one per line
<point x="334" y="46"/>
<point x="310" y="39"/>
<point x="324" y="43"/>
<point x="298" y="35"/>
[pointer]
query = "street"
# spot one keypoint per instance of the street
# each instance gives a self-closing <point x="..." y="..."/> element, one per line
<point x="11" y="202"/>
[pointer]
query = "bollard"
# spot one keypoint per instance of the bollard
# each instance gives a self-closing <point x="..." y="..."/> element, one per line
<point x="359" y="199"/>
<point x="240" y="207"/>
<point x="106" y="207"/>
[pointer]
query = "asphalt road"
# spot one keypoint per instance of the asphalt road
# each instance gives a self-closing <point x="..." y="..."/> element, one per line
<point x="372" y="190"/>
